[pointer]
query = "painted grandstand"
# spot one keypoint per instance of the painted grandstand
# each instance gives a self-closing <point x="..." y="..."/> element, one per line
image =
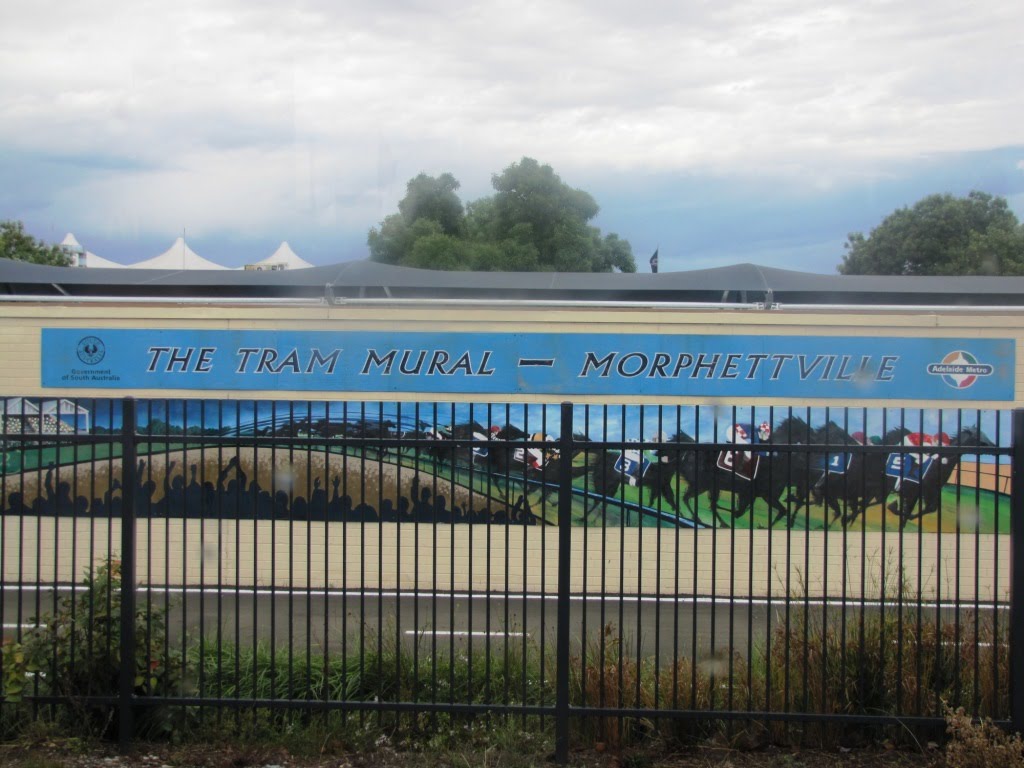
<point x="30" y="416"/>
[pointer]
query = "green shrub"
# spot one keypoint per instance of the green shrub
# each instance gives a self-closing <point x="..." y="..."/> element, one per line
<point x="76" y="653"/>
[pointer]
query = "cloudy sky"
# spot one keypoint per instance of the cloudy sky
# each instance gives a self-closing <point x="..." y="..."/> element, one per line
<point x="717" y="131"/>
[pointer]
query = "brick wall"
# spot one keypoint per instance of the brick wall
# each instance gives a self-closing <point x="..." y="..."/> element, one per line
<point x="406" y="556"/>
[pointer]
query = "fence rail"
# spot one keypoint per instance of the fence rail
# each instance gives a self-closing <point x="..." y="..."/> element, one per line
<point x="610" y="565"/>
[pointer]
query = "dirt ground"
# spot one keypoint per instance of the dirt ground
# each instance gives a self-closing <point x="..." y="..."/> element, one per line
<point x="75" y="754"/>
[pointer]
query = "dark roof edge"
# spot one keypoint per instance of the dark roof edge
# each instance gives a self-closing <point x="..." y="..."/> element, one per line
<point x="365" y="279"/>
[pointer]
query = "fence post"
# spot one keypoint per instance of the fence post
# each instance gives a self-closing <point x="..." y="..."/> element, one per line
<point x="1017" y="571"/>
<point x="129" y="481"/>
<point x="565" y="448"/>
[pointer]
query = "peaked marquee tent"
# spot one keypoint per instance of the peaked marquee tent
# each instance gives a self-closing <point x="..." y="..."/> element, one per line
<point x="283" y="258"/>
<point x="178" y="257"/>
<point x="84" y="258"/>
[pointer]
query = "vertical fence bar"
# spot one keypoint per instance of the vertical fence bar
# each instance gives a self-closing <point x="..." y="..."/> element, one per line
<point x="126" y="721"/>
<point x="1017" y="571"/>
<point x="564" y="558"/>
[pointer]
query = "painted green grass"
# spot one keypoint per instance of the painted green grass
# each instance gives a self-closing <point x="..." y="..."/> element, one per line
<point x="974" y="510"/>
<point x="966" y="510"/>
<point x="37" y="458"/>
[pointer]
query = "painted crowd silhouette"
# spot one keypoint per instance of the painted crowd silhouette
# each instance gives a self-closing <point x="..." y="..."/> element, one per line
<point x="235" y="496"/>
<point x="787" y="467"/>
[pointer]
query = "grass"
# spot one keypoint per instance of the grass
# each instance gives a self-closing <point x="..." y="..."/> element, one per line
<point x="373" y="670"/>
<point x="266" y="736"/>
<point x="808" y="667"/>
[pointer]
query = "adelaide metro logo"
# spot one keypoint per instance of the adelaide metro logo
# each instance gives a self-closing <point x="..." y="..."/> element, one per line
<point x="960" y="369"/>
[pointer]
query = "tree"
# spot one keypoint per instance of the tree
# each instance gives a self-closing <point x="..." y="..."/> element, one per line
<point x="533" y="222"/>
<point x="17" y="244"/>
<point x="941" y="235"/>
<point x="392" y="243"/>
<point x="430" y="206"/>
<point x="433" y="199"/>
<point x="556" y="219"/>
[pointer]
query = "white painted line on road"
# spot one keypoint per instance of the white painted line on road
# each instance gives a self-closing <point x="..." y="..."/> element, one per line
<point x="423" y="594"/>
<point x="463" y="633"/>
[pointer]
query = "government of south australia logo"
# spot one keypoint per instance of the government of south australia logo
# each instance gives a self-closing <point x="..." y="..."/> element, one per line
<point x="960" y="369"/>
<point x="91" y="350"/>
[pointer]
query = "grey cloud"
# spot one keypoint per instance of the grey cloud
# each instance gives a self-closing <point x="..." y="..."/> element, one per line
<point x="302" y="97"/>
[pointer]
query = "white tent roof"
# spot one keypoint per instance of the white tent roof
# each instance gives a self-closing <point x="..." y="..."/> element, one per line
<point x="72" y="247"/>
<point x="93" y="261"/>
<point x="284" y="255"/>
<point x="178" y="256"/>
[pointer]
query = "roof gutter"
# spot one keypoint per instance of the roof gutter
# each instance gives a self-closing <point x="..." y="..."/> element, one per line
<point x="207" y="301"/>
<point x="710" y="305"/>
<point x="368" y="302"/>
<point x="905" y="308"/>
<point x="553" y="303"/>
<point x="512" y="303"/>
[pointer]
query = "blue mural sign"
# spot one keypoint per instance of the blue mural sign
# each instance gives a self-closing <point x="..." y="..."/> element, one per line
<point x="557" y="364"/>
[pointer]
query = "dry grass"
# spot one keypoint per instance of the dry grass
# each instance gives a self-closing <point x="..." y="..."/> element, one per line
<point x="980" y="744"/>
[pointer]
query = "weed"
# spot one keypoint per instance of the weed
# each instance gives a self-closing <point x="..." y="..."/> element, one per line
<point x="980" y="743"/>
<point x="75" y="655"/>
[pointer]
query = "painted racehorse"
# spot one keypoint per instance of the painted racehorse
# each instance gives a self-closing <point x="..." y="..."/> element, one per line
<point x="750" y="472"/>
<point x="610" y="469"/>
<point x="917" y="478"/>
<point x="848" y="481"/>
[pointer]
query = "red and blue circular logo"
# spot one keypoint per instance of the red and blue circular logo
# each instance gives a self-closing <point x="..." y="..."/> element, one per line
<point x="960" y="369"/>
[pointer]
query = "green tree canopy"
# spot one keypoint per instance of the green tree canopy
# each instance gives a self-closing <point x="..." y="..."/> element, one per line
<point x="433" y="199"/>
<point x="534" y="222"/>
<point x="941" y="235"/>
<point x="16" y="243"/>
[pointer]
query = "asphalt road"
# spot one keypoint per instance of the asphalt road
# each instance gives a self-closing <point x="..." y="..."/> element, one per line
<point x="708" y="629"/>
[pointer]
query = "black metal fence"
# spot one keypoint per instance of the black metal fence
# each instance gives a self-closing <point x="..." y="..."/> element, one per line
<point x="610" y="566"/>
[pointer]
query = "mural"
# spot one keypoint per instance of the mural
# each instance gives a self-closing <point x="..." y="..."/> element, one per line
<point x="863" y="469"/>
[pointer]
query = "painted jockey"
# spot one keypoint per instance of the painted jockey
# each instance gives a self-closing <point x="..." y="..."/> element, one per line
<point x="482" y="452"/>
<point x="538" y="456"/>
<point x="631" y="463"/>
<point x="923" y="460"/>
<point x="923" y="440"/>
<point x="737" y="433"/>
<point x="745" y="434"/>
<point x="941" y="439"/>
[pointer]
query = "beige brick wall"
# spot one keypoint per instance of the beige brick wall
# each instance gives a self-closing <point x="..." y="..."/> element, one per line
<point x="405" y="556"/>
